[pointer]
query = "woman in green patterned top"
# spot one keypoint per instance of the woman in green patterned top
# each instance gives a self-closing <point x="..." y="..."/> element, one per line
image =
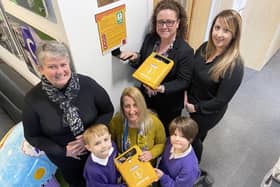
<point x="134" y="124"/>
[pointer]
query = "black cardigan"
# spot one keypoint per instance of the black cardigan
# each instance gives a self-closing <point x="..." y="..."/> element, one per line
<point x="42" y="119"/>
<point x="178" y="78"/>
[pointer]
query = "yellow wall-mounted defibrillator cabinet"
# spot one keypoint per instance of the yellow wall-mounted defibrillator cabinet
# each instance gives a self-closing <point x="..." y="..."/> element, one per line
<point x="134" y="172"/>
<point x="153" y="70"/>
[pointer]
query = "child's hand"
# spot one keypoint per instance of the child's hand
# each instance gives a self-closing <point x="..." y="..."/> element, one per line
<point x="145" y="156"/>
<point x="158" y="172"/>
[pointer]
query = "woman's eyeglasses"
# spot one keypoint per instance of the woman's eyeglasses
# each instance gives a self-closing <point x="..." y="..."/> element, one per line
<point x="168" y="23"/>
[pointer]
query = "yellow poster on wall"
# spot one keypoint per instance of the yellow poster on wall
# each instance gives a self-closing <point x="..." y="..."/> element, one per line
<point x="112" y="28"/>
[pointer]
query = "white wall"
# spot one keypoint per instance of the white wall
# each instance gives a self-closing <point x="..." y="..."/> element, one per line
<point x="75" y="25"/>
<point x="83" y="39"/>
<point x="260" y="37"/>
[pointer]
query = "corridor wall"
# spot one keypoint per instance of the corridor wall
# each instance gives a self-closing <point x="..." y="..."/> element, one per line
<point x="76" y="26"/>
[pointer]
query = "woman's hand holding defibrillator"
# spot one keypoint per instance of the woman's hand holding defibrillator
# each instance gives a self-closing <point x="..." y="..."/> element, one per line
<point x="152" y="92"/>
<point x="146" y="156"/>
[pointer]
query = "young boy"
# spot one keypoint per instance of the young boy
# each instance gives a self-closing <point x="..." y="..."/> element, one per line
<point x="179" y="165"/>
<point x="99" y="168"/>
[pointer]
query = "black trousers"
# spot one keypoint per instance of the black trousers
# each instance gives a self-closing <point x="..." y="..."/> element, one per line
<point x="166" y="115"/>
<point x="205" y="123"/>
<point x="71" y="169"/>
<point x="167" y="106"/>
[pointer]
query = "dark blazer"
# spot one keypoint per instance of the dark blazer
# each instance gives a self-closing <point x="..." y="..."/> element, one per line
<point x="177" y="80"/>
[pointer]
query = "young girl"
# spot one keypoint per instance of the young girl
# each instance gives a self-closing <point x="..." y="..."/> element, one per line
<point x="179" y="165"/>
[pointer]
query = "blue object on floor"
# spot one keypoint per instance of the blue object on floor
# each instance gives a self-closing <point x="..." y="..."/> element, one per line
<point x="21" y="163"/>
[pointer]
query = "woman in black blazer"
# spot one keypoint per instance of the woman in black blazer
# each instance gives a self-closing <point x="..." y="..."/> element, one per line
<point x="167" y="38"/>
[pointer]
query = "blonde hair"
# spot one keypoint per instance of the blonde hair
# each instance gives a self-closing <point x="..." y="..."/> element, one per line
<point x="135" y="94"/>
<point x="94" y="131"/>
<point x="186" y="125"/>
<point x="230" y="56"/>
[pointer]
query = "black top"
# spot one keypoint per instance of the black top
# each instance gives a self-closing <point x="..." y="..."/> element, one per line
<point x="178" y="78"/>
<point x="208" y="96"/>
<point x="42" y="119"/>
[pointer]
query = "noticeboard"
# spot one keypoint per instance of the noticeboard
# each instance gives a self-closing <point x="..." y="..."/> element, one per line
<point x="112" y="28"/>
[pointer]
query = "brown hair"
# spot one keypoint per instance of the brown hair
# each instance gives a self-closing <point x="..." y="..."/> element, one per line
<point x="186" y="125"/>
<point x="93" y="131"/>
<point x="228" y="60"/>
<point x="180" y="12"/>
